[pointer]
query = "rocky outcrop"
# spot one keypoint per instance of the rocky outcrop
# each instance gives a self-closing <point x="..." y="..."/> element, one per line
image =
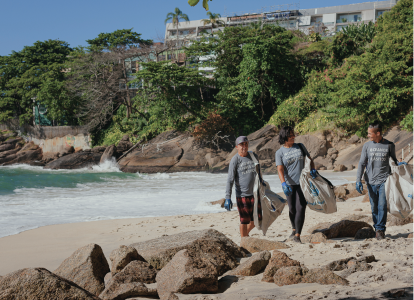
<point x="86" y="267"/>
<point x="296" y="274"/>
<point x="40" y="284"/>
<point x="278" y="260"/>
<point x="108" y="154"/>
<point x="76" y="160"/>
<point x="253" y="266"/>
<point x="186" y="274"/>
<point x="122" y="256"/>
<point x="252" y="244"/>
<point x="130" y="282"/>
<point x="344" y="228"/>
<point x="289" y="275"/>
<point x="206" y="244"/>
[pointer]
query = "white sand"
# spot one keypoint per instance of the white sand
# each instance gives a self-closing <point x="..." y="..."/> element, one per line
<point x="48" y="246"/>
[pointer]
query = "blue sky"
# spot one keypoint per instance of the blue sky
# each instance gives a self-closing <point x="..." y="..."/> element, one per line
<point x="24" y="22"/>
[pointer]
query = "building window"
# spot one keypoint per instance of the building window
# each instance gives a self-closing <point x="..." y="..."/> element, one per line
<point x="287" y="24"/>
<point x="379" y="13"/>
<point x="316" y="20"/>
<point x="349" y="18"/>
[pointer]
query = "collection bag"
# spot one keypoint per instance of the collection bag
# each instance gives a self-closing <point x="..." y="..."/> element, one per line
<point x="318" y="192"/>
<point x="272" y="204"/>
<point x="399" y="190"/>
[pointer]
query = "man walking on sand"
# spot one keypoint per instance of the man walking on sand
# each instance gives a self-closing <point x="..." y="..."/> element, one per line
<point x="375" y="158"/>
<point x="242" y="173"/>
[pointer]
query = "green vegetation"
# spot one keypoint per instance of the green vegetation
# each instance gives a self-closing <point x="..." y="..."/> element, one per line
<point x="407" y="122"/>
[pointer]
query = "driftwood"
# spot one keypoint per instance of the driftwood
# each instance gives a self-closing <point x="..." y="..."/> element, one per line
<point x="130" y="149"/>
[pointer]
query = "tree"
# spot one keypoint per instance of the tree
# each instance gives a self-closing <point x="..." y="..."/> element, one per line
<point x="173" y="96"/>
<point x="36" y="72"/>
<point x="213" y="19"/>
<point x="119" y="38"/>
<point x="195" y="2"/>
<point x="175" y="18"/>
<point x="254" y="70"/>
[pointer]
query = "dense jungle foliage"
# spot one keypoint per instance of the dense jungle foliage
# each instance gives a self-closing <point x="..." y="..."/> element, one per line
<point x="236" y="81"/>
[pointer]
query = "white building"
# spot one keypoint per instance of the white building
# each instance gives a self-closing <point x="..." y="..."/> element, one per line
<point x="328" y="19"/>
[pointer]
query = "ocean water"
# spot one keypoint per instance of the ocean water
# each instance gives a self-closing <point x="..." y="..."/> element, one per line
<point x="31" y="197"/>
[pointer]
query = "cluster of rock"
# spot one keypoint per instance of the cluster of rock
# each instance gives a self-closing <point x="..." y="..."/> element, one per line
<point x="14" y="150"/>
<point x="186" y="263"/>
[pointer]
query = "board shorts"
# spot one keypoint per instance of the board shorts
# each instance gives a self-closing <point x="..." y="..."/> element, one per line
<point x="245" y="206"/>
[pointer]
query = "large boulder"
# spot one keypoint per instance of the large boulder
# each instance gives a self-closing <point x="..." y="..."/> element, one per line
<point x="6" y="147"/>
<point x="186" y="274"/>
<point x="314" y="145"/>
<point x="340" y="191"/>
<point x="123" y="256"/>
<point x="278" y="260"/>
<point x="365" y="233"/>
<point x="40" y="284"/>
<point x="9" y="152"/>
<point x="26" y="157"/>
<point x="323" y="276"/>
<point x="253" y="266"/>
<point x="252" y="244"/>
<point x="344" y="228"/>
<point x="123" y="146"/>
<point x="130" y="282"/>
<point x="205" y="244"/>
<point x="86" y="267"/>
<point x="108" y="154"/>
<point x="289" y="275"/>
<point x="75" y="161"/>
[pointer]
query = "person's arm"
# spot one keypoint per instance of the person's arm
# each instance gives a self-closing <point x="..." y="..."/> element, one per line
<point x="230" y="177"/>
<point x="281" y="173"/>
<point x="362" y="163"/>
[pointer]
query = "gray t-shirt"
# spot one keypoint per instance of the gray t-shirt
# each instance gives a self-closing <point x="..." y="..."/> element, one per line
<point x="292" y="161"/>
<point x="375" y="157"/>
<point x="242" y="173"/>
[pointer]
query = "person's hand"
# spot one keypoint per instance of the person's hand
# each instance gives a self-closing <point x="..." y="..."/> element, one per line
<point x="359" y="187"/>
<point x="286" y="189"/>
<point x="228" y="204"/>
<point x="263" y="183"/>
<point x="402" y="163"/>
<point x="313" y="173"/>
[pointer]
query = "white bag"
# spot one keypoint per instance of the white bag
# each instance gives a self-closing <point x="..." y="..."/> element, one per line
<point x="399" y="190"/>
<point x="319" y="192"/>
<point x="272" y="204"/>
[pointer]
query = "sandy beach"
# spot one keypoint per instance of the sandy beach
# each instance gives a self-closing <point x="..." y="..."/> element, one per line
<point x="48" y="246"/>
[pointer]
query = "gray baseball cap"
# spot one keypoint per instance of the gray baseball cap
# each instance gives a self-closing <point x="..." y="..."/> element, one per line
<point x="241" y="139"/>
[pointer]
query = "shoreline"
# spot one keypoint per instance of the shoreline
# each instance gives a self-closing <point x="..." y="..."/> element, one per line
<point x="48" y="246"/>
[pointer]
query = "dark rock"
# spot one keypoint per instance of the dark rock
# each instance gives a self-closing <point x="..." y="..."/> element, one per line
<point x="288" y="275"/>
<point x="396" y="293"/>
<point x="252" y="244"/>
<point x="253" y="266"/>
<point x="365" y="233"/>
<point x="344" y="228"/>
<point x="9" y="152"/>
<point x="13" y="141"/>
<point x="40" y="284"/>
<point x="123" y="256"/>
<point x="26" y="157"/>
<point x="6" y="147"/>
<point x="87" y="267"/>
<point x="66" y="151"/>
<point x="278" y="260"/>
<point x="323" y="276"/>
<point x="29" y="146"/>
<point x="75" y="161"/>
<point x="186" y="274"/>
<point x="130" y="282"/>
<point x="109" y="153"/>
<point x="219" y="202"/>
<point x="123" y="146"/>
<point x="339" y="168"/>
<point x="99" y="149"/>
<point x="208" y="244"/>
<point x="315" y="238"/>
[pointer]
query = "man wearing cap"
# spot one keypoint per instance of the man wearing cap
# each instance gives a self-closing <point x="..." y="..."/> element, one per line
<point x="242" y="173"/>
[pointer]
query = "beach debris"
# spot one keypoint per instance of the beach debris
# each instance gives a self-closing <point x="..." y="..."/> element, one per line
<point x="123" y="256"/>
<point x="86" y="267"/>
<point x="130" y="282"/>
<point x="252" y="244"/>
<point x="40" y="284"/>
<point x="254" y="265"/>
<point x="278" y="260"/>
<point x="344" y="228"/>
<point x="209" y="244"/>
<point x="186" y="274"/>
<point x="365" y="233"/>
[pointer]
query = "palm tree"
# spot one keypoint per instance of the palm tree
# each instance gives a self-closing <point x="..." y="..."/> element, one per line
<point x="175" y="18"/>
<point x="213" y="19"/>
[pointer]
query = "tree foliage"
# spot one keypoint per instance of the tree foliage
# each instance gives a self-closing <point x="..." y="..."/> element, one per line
<point x="36" y="72"/>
